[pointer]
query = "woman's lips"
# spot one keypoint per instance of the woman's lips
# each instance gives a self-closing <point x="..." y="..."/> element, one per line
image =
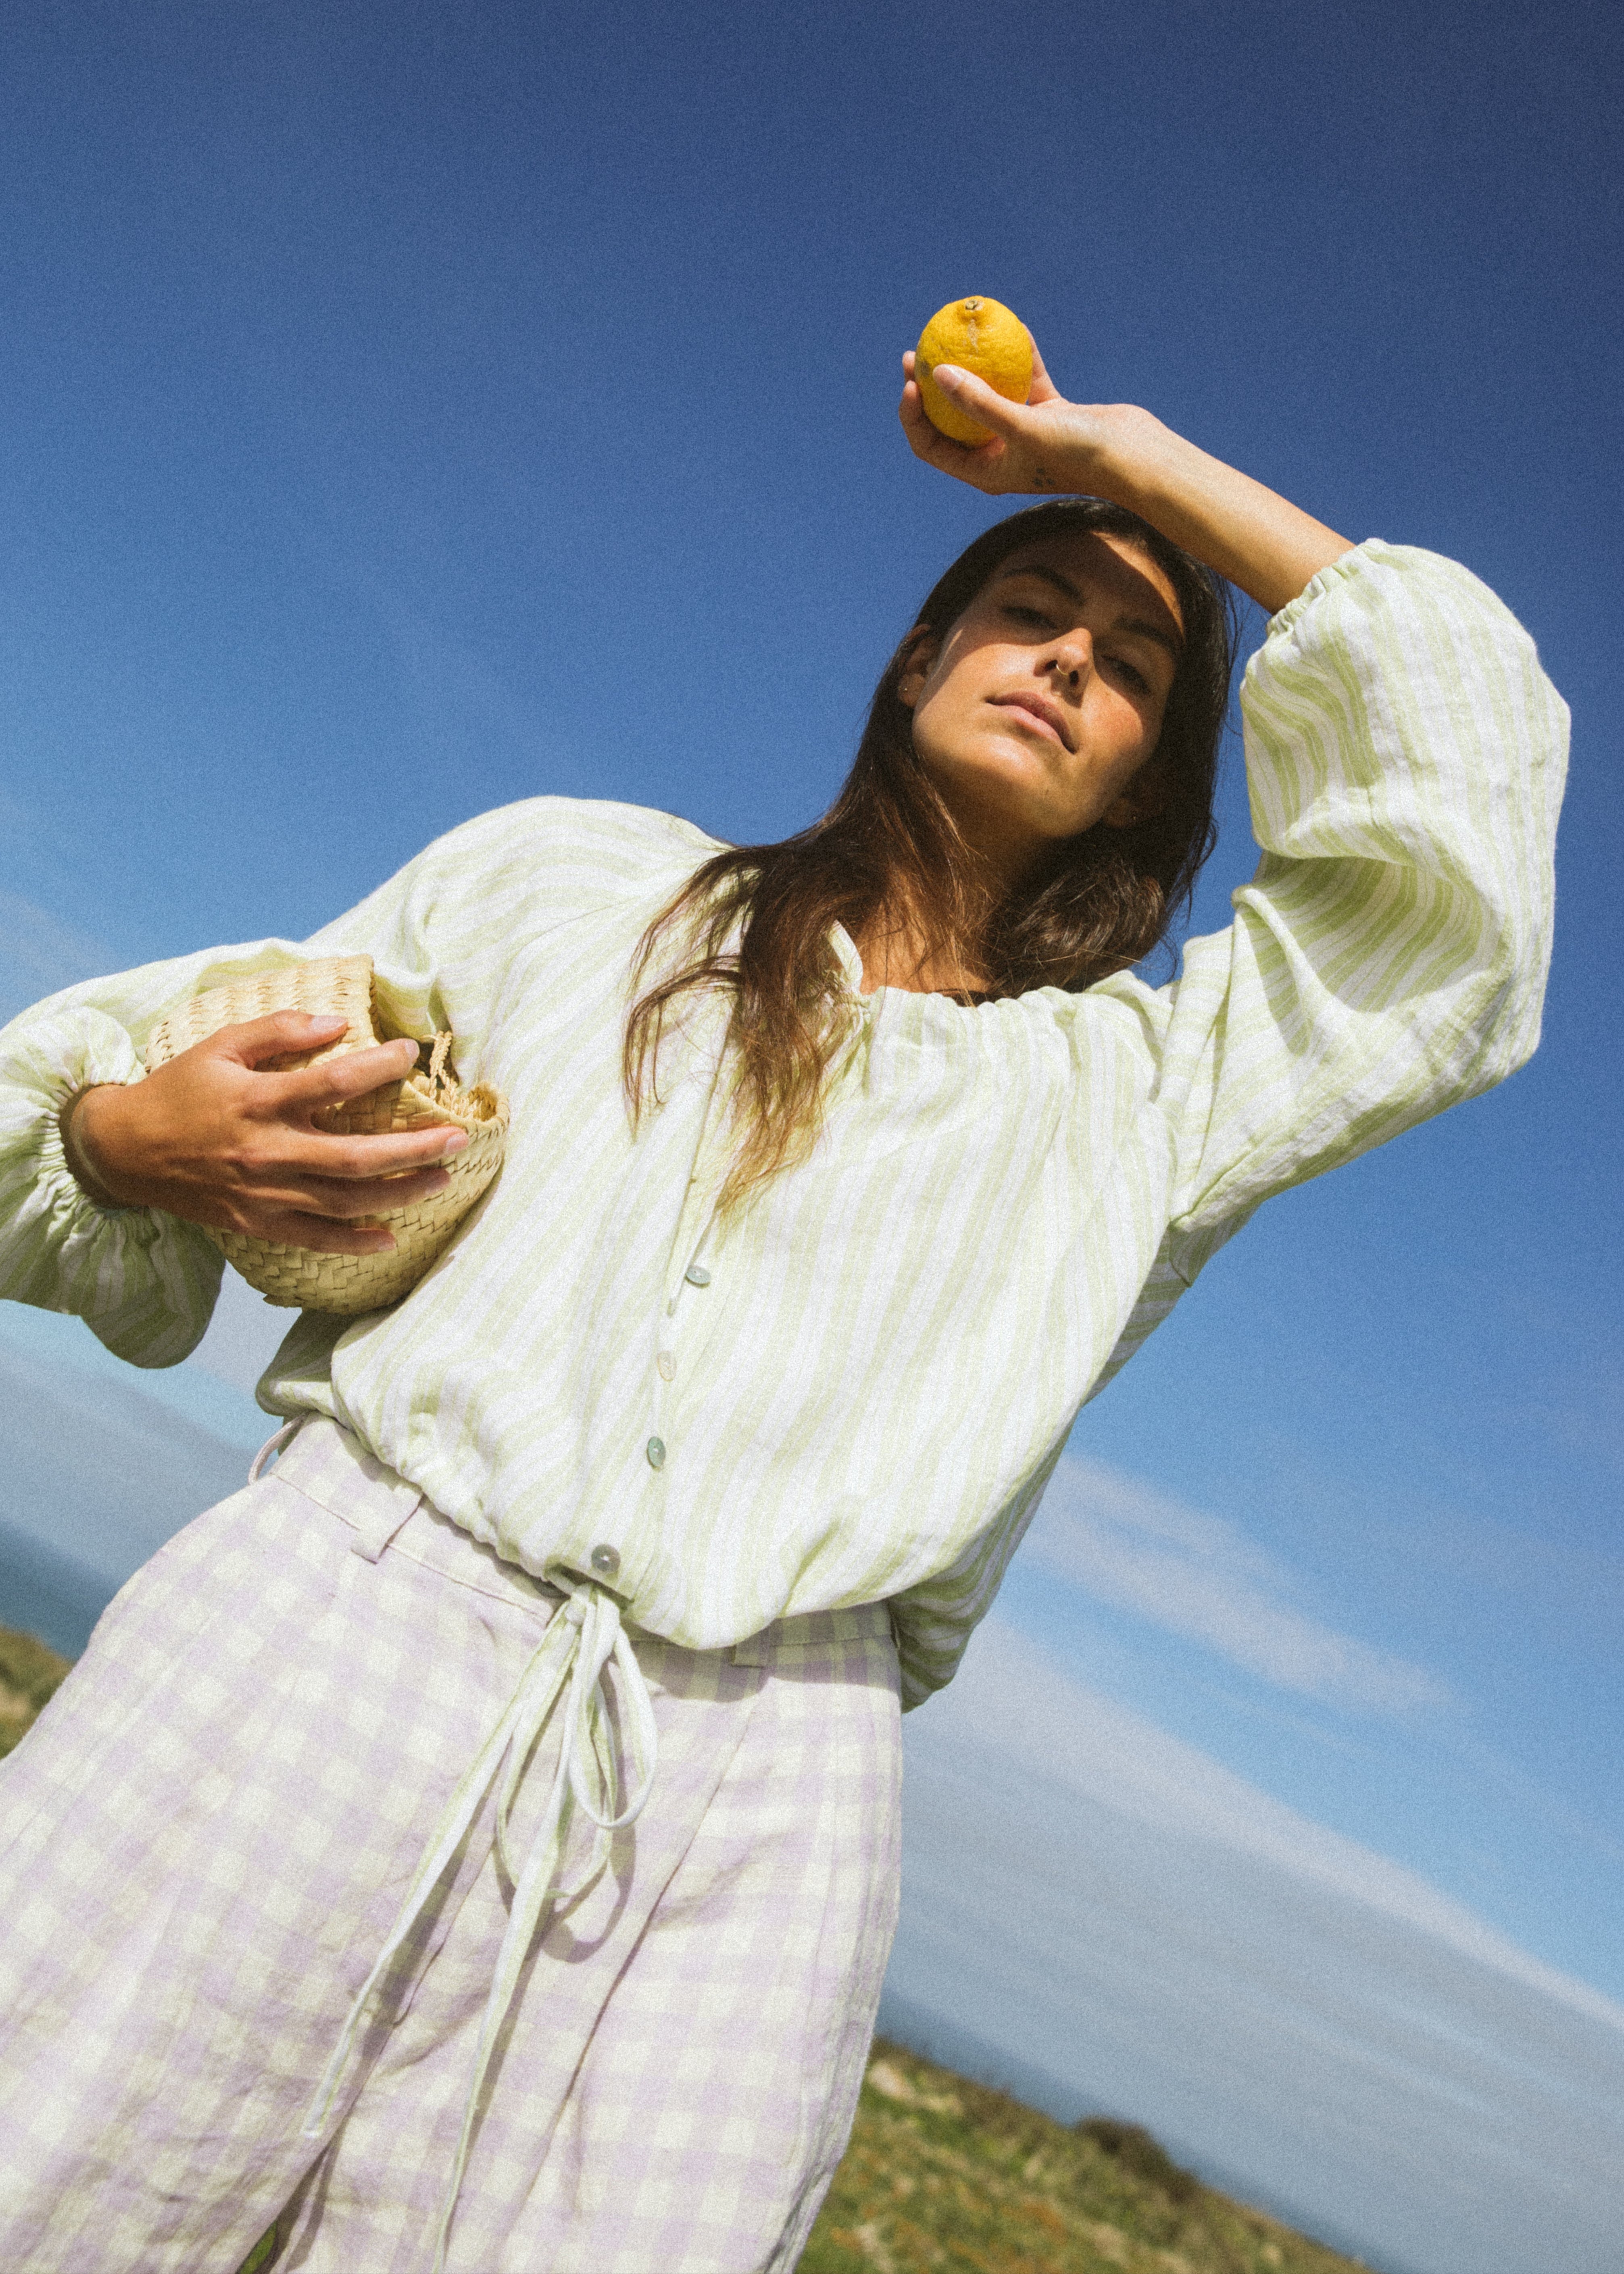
<point x="1040" y="713"/>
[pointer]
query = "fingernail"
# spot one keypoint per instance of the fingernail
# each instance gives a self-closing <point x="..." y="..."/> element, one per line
<point x="947" y="376"/>
<point x="454" y="1143"/>
<point x="332" y="1019"/>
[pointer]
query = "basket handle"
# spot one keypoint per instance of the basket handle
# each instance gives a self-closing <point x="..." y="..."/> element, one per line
<point x="439" y="1079"/>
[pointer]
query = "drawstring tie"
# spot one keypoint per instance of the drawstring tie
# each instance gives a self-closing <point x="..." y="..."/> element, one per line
<point x="582" y="1637"/>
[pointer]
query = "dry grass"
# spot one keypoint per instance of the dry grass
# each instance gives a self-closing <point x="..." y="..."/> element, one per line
<point x="947" y="2177"/>
<point x="29" y="1674"/>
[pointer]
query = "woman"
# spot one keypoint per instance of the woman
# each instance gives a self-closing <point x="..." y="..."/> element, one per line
<point x="841" y="1173"/>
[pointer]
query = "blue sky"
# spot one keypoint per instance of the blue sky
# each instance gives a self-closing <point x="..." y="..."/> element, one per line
<point x="412" y="408"/>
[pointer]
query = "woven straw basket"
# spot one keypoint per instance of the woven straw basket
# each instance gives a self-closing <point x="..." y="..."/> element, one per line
<point x="302" y="1278"/>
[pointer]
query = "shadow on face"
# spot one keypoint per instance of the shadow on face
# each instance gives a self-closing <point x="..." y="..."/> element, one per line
<point x="1038" y="710"/>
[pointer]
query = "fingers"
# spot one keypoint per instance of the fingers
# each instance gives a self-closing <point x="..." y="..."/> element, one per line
<point x="217" y="1137"/>
<point x="351" y="1075"/>
<point x="313" y="1160"/>
<point x="307" y="1089"/>
<point x="1045" y="444"/>
<point x="282" y="1033"/>
<point x="288" y="1034"/>
<point x="333" y="1200"/>
<point x="293" y="1229"/>
<point x="979" y="402"/>
<point x="281" y="1154"/>
<point x="972" y="395"/>
<point x="1042" y="388"/>
<point x="316" y="1211"/>
<point x="969" y="462"/>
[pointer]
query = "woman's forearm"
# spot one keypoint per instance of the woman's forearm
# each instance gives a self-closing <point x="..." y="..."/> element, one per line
<point x="1260" y="541"/>
<point x="1266" y="546"/>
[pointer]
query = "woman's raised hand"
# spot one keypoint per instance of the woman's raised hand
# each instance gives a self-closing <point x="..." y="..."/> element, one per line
<point x="216" y="1138"/>
<point x="1043" y="444"/>
<point x="1261" y="542"/>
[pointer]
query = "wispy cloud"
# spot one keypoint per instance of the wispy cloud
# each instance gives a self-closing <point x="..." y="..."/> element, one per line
<point x="1200" y="1575"/>
<point x="1105" y="1905"/>
<point x="39" y="954"/>
<point x="1019" y="1704"/>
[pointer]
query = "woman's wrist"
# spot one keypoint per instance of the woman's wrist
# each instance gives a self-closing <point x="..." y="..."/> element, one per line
<point x="1123" y="453"/>
<point x="82" y="1154"/>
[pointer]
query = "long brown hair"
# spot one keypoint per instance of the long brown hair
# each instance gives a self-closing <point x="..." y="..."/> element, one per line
<point x="755" y="921"/>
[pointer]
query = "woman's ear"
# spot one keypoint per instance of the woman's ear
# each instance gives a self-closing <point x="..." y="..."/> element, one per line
<point x="920" y="649"/>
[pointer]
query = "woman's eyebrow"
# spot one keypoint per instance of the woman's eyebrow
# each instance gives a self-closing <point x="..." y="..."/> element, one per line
<point x="1160" y="633"/>
<point x="1143" y="625"/>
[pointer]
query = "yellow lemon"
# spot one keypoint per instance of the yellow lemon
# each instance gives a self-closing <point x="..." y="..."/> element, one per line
<point x="979" y="336"/>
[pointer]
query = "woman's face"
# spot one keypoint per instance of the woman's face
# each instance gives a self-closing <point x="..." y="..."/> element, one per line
<point x="1038" y="710"/>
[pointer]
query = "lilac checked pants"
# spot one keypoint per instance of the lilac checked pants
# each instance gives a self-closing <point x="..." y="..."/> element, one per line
<point x="219" y="1825"/>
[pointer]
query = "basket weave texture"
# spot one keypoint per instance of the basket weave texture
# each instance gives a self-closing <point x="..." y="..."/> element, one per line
<point x="303" y="1278"/>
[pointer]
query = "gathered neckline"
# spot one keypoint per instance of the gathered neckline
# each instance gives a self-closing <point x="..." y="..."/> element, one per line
<point x="966" y="998"/>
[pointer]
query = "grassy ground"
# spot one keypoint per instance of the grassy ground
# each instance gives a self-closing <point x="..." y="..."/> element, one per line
<point x="28" y="1674"/>
<point x="945" y="2177"/>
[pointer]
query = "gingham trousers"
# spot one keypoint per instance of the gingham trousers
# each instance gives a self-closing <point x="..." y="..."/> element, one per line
<point x="206" y="1839"/>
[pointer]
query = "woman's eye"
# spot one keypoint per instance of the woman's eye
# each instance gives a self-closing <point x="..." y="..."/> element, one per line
<point x="1131" y="672"/>
<point x="1034" y="616"/>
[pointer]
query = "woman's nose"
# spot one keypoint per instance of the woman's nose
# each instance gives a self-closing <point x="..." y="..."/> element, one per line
<point x="1072" y="658"/>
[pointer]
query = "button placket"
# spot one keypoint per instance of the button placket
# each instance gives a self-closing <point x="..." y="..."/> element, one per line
<point x="693" y="1228"/>
<point x="654" y="1444"/>
<point x="696" y="1276"/>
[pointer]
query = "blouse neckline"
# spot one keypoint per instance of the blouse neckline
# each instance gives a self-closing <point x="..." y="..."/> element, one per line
<point x="968" y="998"/>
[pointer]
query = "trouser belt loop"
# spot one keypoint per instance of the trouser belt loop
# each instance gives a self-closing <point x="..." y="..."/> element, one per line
<point x="377" y="1523"/>
<point x="272" y="1448"/>
<point x="374" y="1515"/>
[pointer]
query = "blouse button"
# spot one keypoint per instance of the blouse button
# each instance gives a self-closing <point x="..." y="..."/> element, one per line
<point x="697" y="1276"/>
<point x="604" y="1562"/>
<point x="656" y="1452"/>
<point x="668" y="1364"/>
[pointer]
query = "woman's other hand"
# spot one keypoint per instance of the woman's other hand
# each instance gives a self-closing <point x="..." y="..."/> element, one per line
<point x="1260" y="541"/>
<point x="217" y="1137"/>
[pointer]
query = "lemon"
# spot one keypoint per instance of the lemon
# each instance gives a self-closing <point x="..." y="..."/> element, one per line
<point x="979" y="336"/>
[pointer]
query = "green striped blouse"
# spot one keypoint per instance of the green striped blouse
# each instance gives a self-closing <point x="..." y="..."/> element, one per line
<point x="855" y="1386"/>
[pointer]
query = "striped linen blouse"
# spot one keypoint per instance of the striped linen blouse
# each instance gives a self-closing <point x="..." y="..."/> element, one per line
<point x="855" y="1386"/>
